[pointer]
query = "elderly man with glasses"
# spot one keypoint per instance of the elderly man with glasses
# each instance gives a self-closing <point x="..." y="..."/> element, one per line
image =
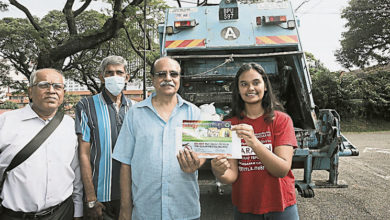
<point x="47" y="185"/>
<point x="155" y="182"/>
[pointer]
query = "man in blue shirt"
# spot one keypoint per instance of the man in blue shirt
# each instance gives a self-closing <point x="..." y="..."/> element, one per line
<point x="98" y="122"/>
<point x="155" y="183"/>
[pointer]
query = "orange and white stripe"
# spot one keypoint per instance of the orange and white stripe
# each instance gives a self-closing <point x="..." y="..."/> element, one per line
<point x="283" y="39"/>
<point x="185" y="43"/>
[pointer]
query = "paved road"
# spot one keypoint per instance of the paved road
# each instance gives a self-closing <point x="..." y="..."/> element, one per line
<point x="367" y="195"/>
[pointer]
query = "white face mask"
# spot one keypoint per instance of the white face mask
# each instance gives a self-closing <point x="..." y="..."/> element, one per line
<point x="114" y="84"/>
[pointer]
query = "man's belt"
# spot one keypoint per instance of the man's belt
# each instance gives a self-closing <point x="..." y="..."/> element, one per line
<point x="34" y="215"/>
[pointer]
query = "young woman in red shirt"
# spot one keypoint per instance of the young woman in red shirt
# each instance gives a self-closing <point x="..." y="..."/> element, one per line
<point x="263" y="186"/>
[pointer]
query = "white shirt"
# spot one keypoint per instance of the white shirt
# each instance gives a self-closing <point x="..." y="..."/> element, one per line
<point x="50" y="175"/>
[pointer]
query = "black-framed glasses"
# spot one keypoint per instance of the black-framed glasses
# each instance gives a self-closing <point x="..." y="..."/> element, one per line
<point x="46" y="85"/>
<point x="163" y="74"/>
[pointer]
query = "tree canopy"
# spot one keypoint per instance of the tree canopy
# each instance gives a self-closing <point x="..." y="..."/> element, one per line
<point x="75" y="41"/>
<point x="314" y="64"/>
<point x="367" y="39"/>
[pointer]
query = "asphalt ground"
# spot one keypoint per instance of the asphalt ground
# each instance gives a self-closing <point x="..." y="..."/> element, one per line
<point x="366" y="197"/>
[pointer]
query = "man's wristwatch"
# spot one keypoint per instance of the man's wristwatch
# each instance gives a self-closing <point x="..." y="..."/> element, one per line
<point x="91" y="204"/>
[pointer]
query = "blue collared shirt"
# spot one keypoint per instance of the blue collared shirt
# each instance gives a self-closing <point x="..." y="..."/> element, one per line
<point x="160" y="189"/>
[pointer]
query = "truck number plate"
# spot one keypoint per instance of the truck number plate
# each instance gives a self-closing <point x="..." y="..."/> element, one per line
<point x="228" y="13"/>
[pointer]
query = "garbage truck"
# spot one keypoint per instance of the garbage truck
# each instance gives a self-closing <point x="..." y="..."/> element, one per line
<point x="212" y="41"/>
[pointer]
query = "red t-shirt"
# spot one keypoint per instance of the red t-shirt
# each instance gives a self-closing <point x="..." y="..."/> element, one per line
<point x="256" y="191"/>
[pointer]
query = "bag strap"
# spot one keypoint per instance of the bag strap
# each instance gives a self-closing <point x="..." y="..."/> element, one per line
<point x="34" y="144"/>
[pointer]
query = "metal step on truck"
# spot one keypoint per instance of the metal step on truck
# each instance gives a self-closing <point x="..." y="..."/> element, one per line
<point x="212" y="41"/>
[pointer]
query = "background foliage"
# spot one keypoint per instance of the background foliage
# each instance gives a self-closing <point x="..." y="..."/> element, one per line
<point x="75" y="40"/>
<point x="361" y="94"/>
<point x="9" y="105"/>
<point x="367" y="39"/>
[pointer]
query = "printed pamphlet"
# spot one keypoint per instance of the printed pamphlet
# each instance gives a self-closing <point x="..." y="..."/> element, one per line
<point x="209" y="139"/>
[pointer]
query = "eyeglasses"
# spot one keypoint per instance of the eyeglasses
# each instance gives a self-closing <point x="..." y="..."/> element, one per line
<point x="163" y="74"/>
<point x="46" y="85"/>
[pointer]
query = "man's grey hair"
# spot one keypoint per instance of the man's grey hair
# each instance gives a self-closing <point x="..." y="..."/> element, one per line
<point x="33" y="75"/>
<point x="112" y="60"/>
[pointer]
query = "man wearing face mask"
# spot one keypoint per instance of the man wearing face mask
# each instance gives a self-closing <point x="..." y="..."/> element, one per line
<point x="98" y="122"/>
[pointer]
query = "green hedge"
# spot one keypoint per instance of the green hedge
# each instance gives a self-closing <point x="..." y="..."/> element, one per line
<point x="363" y="93"/>
<point x="8" y="105"/>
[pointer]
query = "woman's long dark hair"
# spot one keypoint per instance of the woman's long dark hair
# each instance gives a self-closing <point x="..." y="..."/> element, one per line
<point x="269" y="101"/>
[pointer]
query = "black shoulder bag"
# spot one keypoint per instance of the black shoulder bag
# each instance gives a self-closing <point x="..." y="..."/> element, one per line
<point x="32" y="146"/>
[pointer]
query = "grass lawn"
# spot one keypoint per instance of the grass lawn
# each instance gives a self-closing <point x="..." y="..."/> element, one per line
<point x="363" y="125"/>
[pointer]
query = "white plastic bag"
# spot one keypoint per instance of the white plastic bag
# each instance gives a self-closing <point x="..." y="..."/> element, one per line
<point x="208" y="113"/>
